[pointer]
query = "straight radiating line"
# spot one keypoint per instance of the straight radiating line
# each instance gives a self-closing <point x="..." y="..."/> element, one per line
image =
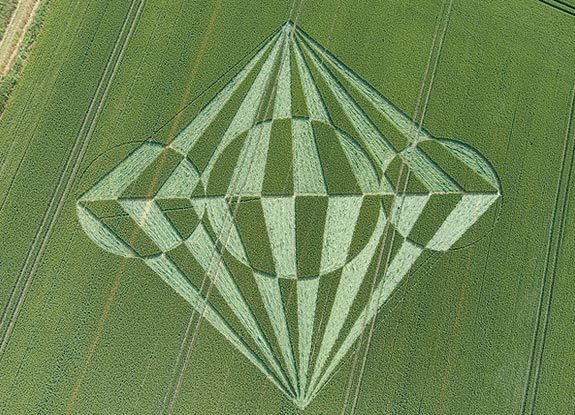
<point x="283" y="98"/>
<point x="226" y="239"/>
<point x="467" y="211"/>
<point x="413" y="145"/>
<point x="101" y="234"/>
<point x="188" y="137"/>
<point x="150" y="218"/>
<point x="428" y="172"/>
<point x="271" y="295"/>
<point x="221" y="220"/>
<point x="279" y="214"/>
<point x="307" y="290"/>
<point x="398" y="268"/>
<point x="352" y="276"/>
<point x="315" y="105"/>
<point x="181" y="183"/>
<point x="172" y="276"/>
<point x="113" y="184"/>
<point x="378" y="146"/>
<point x="341" y="217"/>
<point x="308" y="175"/>
<point x="394" y="115"/>
<point x="248" y="178"/>
<point x="203" y="248"/>
<point x="249" y="108"/>
<point x="363" y="168"/>
<point x="407" y="210"/>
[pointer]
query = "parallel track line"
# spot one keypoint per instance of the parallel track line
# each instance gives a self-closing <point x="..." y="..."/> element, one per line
<point x="557" y="226"/>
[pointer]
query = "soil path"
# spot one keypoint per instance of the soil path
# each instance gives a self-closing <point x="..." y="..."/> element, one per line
<point x="10" y="44"/>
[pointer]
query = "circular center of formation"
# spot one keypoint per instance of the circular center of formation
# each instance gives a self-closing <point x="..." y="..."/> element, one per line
<point x="295" y="190"/>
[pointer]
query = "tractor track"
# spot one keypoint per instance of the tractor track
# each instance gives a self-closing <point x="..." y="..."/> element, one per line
<point x="40" y="109"/>
<point x="560" y="5"/>
<point x="557" y="226"/>
<point x="15" y="174"/>
<point x="441" y="31"/>
<point x="67" y="177"/>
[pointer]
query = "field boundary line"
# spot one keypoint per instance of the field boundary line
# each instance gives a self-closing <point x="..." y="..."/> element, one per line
<point x="132" y="23"/>
<point x="60" y="49"/>
<point x="65" y="181"/>
<point x="18" y="167"/>
<point x="20" y="21"/>
<point x="557" y="226"/>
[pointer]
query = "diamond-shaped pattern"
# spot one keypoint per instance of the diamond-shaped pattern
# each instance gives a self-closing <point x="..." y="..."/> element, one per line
<point x="295" y="202"/>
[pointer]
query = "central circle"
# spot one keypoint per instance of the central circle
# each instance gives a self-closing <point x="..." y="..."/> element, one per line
<point x="300" y="196"/>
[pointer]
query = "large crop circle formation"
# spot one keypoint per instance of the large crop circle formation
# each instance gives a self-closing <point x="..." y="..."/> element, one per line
<point x="298" y="191"/>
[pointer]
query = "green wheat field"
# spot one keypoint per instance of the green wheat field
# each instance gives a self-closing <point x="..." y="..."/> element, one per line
<point x="290" y="207"/>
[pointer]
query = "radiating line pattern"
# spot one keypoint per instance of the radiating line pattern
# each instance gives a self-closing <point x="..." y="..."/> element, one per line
<point x="285" y="201"/>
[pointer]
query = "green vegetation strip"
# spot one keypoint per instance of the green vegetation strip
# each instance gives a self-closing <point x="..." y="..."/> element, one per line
<point x="188" y="137"/>
<point x="175" y="279"/>
<point x="6" y="10"/>
<point x="351" y="279"/>
<point x="10" y="74"/>
<point x="249" y="108"/>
